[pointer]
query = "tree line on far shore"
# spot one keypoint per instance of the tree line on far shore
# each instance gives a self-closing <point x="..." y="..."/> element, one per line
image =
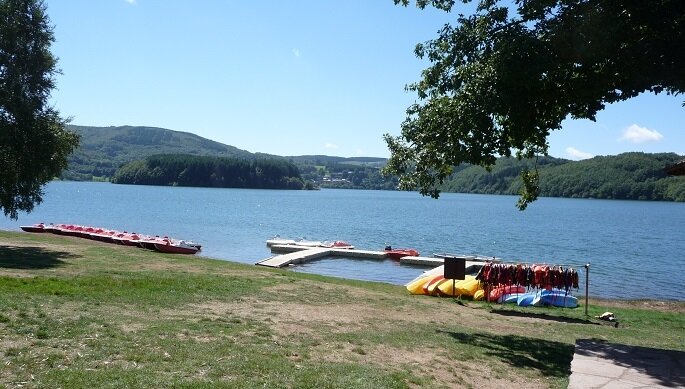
<point x="627" y="176"/>
<point x="216" y="172"/>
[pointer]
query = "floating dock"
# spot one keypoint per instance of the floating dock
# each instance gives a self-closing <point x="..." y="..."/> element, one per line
<point x="422" y="261"/>
<point x="293" y="254"/>
<point x="292" y="258"/>
<point x="472" y="267"/>
<point x="297" y="254"/>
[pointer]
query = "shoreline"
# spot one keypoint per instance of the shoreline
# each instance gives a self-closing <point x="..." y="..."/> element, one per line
<point x="649" y="303"/>
<point x="238" y="229"/>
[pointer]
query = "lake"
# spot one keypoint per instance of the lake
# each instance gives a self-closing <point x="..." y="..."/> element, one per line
<point x="635" y="249"/>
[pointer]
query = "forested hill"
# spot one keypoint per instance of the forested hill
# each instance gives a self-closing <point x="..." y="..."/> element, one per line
<point x="631" y="176"/>
<point x="626" y="176"/>
<point x="213" y="172"/>
<point x="104" y="149"/>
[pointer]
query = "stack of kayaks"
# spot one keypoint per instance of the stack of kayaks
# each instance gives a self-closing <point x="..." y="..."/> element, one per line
<point x="558" y="298"/>
<point x="433" y="283"/>
<point x="544" y="297"/>
<point x="506" y="294"/>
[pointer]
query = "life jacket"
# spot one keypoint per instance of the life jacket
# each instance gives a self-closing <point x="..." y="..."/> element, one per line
<point x="521" y="277"/>
<point x="538" y="276"/>
<point x="546" y="280"/>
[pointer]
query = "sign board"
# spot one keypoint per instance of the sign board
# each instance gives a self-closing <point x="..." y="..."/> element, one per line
<point x="455" y="268"/>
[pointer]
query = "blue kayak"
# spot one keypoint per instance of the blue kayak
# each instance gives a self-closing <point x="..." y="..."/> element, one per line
<point x="558" y="298"/>
<point x="529" y="299"/>
<point x="509" y="298"/>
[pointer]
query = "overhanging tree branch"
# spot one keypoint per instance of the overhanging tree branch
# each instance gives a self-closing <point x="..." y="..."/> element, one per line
<point x="499" y="84"/>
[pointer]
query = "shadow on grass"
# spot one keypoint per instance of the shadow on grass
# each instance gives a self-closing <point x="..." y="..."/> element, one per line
<point x="551" y="359"/>
<point x="32" y="258"/>
<point x="544" y="316"/>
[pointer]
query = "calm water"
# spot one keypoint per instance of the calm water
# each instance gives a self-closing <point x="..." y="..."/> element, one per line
<point x="635" y="249"/>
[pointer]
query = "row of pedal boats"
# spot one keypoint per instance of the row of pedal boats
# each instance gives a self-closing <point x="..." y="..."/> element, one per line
<point x="162" y="244"/>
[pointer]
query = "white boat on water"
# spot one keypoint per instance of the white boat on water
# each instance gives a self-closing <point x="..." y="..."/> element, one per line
<point x="309" y="243"/>
<point x="277" y="240"/>
<point x="336" y="244"/>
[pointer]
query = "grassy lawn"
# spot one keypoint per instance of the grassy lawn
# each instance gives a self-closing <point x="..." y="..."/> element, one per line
<point x="77" y="313"/>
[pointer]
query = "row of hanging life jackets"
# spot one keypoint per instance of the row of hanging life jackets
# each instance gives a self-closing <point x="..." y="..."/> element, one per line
<point x="536" y="276"/>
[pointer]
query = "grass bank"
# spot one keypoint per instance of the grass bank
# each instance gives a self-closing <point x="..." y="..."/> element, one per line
<point x="77" y="313"/>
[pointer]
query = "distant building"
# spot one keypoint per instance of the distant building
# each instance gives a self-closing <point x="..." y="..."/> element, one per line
<point x="676" y="170"/>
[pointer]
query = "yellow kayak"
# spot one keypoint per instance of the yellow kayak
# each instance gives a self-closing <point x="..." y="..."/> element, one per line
<point x="433" y="272"/>
<point x="433" y="288"/>
<point x="479" y="295"/>
<point x="416" y="286"/>
<point x="466" y="287"/>
<point x="432" y="283"/>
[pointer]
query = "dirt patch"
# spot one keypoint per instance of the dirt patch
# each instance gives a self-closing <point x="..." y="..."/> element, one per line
<point x="290" y="318"/>
<point x="662" y="306"/>
<point x="332" y="314"/>
<point x="433" y="365"/>
<point x="132" y="327"/>
<point x="315" y="321"/>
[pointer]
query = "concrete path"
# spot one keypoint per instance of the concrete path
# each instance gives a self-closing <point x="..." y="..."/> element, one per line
<point x="606" y="365"/>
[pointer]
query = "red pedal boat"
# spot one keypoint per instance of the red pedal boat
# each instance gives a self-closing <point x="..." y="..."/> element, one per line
<point x="399" y="253"/>
<point x="338" y="244"/>
<point x="34" y="228"/>
<point x="179" y="247"/>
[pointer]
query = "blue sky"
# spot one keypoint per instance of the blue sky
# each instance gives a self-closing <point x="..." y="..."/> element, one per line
<point x="285" y="78"/>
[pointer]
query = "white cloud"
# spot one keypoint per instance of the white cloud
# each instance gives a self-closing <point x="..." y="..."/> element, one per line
<point x="330" y="146"/>
<point x="576" y="154"/>
<point x="637" y="134"/>
<point x="132" y="2"/>
<point x="296" y="52"/>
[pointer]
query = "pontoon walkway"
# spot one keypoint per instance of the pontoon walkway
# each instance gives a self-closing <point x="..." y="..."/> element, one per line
<point x="299" y="254"/>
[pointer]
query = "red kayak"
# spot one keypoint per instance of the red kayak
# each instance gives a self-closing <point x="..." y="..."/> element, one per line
<point x="399" y="253"/>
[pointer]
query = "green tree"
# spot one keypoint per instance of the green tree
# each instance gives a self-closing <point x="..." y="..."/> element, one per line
<point x="505" y="76"/>
<point x="34" y="144"/>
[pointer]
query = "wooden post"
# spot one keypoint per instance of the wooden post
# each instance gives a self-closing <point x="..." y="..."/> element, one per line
<point x="587" y="282"/>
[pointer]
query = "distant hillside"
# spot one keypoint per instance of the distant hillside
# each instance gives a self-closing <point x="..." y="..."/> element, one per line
<point x="104" y="149"/>
<point x="629" y="176"/>
<point x="636" y="176"/>
<point x="327" y="160"/>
